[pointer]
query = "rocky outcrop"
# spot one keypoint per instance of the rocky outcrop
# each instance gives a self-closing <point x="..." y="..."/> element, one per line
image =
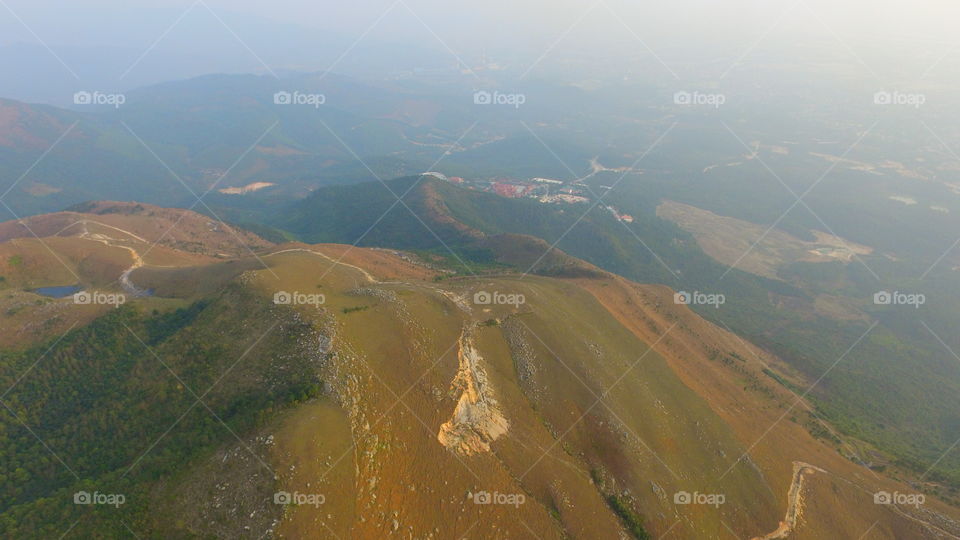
<point x="477" y="420"/>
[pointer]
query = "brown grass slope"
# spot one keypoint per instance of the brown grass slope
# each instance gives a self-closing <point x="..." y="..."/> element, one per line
<point x="683" y="416"/>
<point x="581" y="411"/>
<point x="94" y="247"/>
<point x="174" y="228"/>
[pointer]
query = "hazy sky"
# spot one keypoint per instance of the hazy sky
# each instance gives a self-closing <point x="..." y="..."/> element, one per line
<point x="160" y="39"/>
<point x="536" y="22"/>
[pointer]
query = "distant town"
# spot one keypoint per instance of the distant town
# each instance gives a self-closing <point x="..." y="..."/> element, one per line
<point x="544" y="190"/>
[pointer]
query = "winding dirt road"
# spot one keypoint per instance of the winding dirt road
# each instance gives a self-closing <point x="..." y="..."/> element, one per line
<point x="125" y="282"/>
<point x="794" y="501"/>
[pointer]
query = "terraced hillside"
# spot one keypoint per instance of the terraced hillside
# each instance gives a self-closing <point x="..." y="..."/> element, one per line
<point x="325" y="391"/>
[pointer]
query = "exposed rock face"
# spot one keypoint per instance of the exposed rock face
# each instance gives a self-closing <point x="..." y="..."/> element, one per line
<point x="477" y="420"/>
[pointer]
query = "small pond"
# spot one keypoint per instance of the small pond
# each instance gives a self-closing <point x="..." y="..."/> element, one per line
<point x="61" y="291"/>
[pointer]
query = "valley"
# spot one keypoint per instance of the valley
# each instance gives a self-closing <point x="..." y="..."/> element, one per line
<point x="753" y="248"/>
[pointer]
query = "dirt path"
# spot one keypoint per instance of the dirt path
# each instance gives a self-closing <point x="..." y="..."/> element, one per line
<point x="801" y="471"/>
<point x="363" y="271"/>
<point x="794" y="501"/>
<point x="125" y="282"/>
<point x="459" y="301"/>
<point x="596" y="168"/>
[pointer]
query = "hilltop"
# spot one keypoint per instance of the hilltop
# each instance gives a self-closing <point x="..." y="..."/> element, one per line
<point x="182" y="230"/>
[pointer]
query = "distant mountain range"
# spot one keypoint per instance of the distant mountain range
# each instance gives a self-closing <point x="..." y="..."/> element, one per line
<point x="217" y="132"/>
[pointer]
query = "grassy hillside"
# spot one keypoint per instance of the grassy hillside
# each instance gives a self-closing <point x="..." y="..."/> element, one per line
<point x="898" y="389"/>
<point x="399" y="400"/>
<point x="108" y="391"/>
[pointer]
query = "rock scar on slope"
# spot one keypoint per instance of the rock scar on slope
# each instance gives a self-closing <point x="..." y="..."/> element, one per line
<point x="477" y="420"/>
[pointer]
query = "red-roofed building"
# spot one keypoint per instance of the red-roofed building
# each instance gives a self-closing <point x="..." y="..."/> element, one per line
<point x="511" y="191"/>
